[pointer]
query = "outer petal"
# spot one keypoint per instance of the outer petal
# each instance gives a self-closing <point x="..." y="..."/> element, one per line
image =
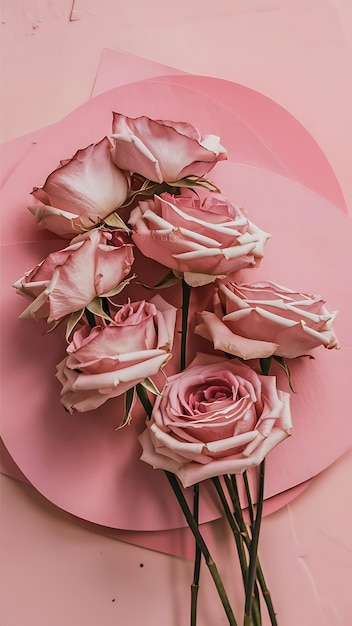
<point x="79" y="269"/>
<point x="130" y="153"/>
<point x="137" y="372"/>
<point x="83" y="392"/>
<point x="60" y="222"/>
<point x="154" y="458"/>
<point x="264" y="311"/>
<point x="223" y="339"/>
<point x="299" y="339"/>
<point x="163" y="151"/>
<point x="193" y="472"/>
<point x="89" y="185"/>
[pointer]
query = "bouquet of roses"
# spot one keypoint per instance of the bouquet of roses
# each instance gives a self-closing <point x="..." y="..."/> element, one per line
<point x="198" y="360"/>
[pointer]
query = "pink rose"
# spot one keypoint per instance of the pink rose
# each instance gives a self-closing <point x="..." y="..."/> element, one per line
<point x="162" y="150"/>
<point x="81" y="192"/>
<point x="106" y="361"/>
<point x="92" y="265"/>
<point x="258" y="320"/>
<point x="203" y="239"/>
<point x="216" y="417"/>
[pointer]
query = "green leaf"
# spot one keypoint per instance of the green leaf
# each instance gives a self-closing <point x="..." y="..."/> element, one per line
<point x="130" y="398"/>
<point x="72" y="321"/>
<point x="96" y="307"/>
<point x="148" y="189"/>
<point x="169" y="280"/>
<point x="282" y="363"/>
<point x="195" y="181"/>
<point x="115" y="221"/>
<point x="119" y="287"/>
<point x="55" y="325"/>
<point x="148" y="384"/>
<point x="143" y="396"/>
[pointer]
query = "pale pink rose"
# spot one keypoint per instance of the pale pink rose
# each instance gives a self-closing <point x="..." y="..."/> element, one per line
<point x="262" y="319"/>
<point x="82" y="192"/>
<point x="203" y="239"/>
<point x="216" y="417"/>
<point x="106" y="361"/>
<point x="68" y="280"/>
<point x="162" y="150"/>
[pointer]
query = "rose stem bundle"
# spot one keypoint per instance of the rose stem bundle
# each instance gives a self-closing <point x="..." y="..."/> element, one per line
<point x="239" y="544"/>
<point x="197" y="560"/>
<point x="251" y="519"/>
<point x="253" y="550"/>
<point x="202" y="546"/>
<point x="231" y="485"/>
<point x="256" y="523"/>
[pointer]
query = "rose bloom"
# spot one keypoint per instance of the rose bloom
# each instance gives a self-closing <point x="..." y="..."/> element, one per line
<point x="81" y="192"/>
<point x="216" y="417"/>
<point x="68" y="280"/>
<point x="261" y="319"/>
<point x="203" y="239"/>
<point x="162" y="150"/>
<point x="105" y="361"/>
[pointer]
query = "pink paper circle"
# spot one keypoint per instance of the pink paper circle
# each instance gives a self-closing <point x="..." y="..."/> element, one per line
<point x="79" y="462"/>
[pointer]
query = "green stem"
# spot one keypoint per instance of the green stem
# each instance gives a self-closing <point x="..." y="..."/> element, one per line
<point x="143" y="396"/>
<point x="266" y="594"/>
<point x="186" y="294"/>
<point x="197" y="557"/>
<point x="249" y="498"/>
<point x="256" y="600"/>
<point x="105" y="307"/>
<point x="265" y="365"/>
<point x="234" y="527"/>
<point x="203" y="547"/>
<point x="253" y="551"/>
<point x="239" y="539"/>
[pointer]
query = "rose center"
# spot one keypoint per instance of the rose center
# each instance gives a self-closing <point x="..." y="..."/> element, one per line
<point x="208" y="393"/>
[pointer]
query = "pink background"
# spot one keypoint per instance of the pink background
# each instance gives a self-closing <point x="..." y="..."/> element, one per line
<point x="298" y="53"/>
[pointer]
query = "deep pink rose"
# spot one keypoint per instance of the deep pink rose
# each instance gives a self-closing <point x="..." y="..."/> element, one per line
<point x="216" y="417"/>
<point x="106" y="361"/>
<point x="258" y="320"/>
<point x="92" y="265"/>
<point x="162" y="150"/>
<point x="81" y="192"/>
<point x="203" y="239"/>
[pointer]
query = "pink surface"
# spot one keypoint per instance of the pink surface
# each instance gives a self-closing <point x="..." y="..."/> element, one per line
<point x="178" y="541"/>
<point x="297" y="54"/>
<point x="89" y="578"/>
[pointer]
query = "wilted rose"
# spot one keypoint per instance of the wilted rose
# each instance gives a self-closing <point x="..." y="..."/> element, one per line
<point x="216" y="417"/>
<point x="105" y="361"/>
<point x="162" y="150"/>
<point x="203" y="239"/>
<point x="82" y="192"/>
<point x="67" y="280"/>
<point x="261" y="319"/>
